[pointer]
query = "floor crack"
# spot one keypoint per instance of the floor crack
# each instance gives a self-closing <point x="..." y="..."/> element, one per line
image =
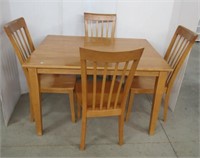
<point x="168" y="139"/>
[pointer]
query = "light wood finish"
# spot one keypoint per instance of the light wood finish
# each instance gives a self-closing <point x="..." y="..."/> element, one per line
<point x="175" y="56"/>
<point x="105" y="97"/>
<point x="99" y="25"/>
<point x="20" y="38"/>
<point x="60" y="55"/>
<point x="34" y="85"/>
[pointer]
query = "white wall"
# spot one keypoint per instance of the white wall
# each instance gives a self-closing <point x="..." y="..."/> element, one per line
<point x="145" y="19"/>
<point x="73" y="20"/>
<point x="42" y="17"/>
<point x="101" y="6"/>
<point x="153" y="20"/>
<point x="72" y="17"/>
<point x="9" y="78"/>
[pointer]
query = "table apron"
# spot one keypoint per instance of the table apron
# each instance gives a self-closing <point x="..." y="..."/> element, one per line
<point x="58" y="71"/>
<point x="78" y="72"/>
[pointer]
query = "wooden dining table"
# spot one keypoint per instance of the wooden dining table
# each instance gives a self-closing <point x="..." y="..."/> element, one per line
<point x="58" y="54"/>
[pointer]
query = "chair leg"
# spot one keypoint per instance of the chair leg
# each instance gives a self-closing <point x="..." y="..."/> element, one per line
<point x="32" y="118"/>
<point x="71" y="100"/>
<point x="79" y="110"/>
<point x="130" y="106"/>
<point x="121" y="130"/>
<point x="166" y="104"/>
<point x="83" y="132"/>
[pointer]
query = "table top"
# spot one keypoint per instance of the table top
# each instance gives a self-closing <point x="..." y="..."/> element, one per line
<point x="57" y="51"/>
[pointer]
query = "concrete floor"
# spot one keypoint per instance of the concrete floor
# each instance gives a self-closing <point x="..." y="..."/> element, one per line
<point x="179" y="137"/>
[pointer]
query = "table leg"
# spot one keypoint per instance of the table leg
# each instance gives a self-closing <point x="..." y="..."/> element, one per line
<point x="159" y="90"/>
<point x="35" y="95"/>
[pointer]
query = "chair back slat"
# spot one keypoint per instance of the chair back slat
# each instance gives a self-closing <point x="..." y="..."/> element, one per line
<point x="91" y="28"/>
<point x="113" y="28"/>
<point x="28" y="49"/>
<point x="107" y="94"/>
<point x="21" y="44"/>
<point x="102" y="28"/>
<point x="179" y="53"/>
<point x="97" y="30"/>
<point x="103" y="85"/>
<point x="94" y="85"/>
<point x="172" y="54"/>
<point x="99" y="25"/>
<point x="86" y="27"/>
<point x="120" y="84"/>
<point x="178" y="50"/>
<point x="22" y="57"/>
<point x="112" y="85"/>
<point x="107" y="28"/>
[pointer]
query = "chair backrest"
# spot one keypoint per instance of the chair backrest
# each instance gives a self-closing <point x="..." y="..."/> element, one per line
<point x="99" y="25"/>
<point x="114" y="64"/>
<point x="20" y="38"/>
<point x="178" y="50"/>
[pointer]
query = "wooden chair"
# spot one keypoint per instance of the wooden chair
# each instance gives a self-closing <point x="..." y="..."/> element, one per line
<point x="20" y="39"/>
<point x="99" y="25"/>
<point x="104" y="97"/>
<point x="176" y="54"/>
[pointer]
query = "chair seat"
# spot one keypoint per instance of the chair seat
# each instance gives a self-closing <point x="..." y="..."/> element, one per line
<point x="78" y="90"/>
<point x="57" y="83"/>
<point x="143" y="84"/>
